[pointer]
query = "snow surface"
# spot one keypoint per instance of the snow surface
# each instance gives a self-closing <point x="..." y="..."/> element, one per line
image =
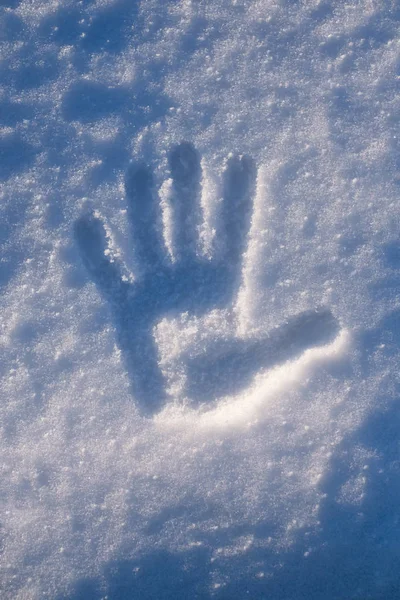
<point x="200" y="274"/>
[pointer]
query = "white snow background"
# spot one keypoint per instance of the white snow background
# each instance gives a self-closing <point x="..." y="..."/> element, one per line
<point x="285" y="486"/>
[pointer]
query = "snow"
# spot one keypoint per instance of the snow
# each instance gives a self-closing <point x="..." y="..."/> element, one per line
<point x="199" y="299"/>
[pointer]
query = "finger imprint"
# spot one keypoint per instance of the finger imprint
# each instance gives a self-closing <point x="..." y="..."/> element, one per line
<point x="144" y="216"/>
<point x="185" y="167"/>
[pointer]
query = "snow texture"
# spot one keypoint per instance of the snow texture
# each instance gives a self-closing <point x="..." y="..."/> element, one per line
<point x="199" y="299"/>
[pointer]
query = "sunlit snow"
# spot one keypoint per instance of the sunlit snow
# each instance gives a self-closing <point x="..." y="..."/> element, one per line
<point x="199" y="299"/>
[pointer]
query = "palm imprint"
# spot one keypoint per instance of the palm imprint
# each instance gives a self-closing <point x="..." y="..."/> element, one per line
<point x="191" y="283"/>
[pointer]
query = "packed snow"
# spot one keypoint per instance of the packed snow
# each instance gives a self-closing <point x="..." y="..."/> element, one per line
<point x="199" y="299"/>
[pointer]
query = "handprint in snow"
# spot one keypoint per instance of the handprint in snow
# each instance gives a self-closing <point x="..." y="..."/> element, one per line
<point x="191" y="283"/>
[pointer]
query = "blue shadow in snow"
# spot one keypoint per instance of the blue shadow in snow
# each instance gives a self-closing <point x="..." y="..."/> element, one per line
<point x="89" y="101"/>
<point x="105" y="28"/>
<point x="12" y="254"/>
<point x="10" y="3"/>
<point x="110" y="27"/>
<point x="162" y="575"/>
<point x="15" y="155"/>
<point x="12" y="113"/>
<point x="10" y="25"/>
